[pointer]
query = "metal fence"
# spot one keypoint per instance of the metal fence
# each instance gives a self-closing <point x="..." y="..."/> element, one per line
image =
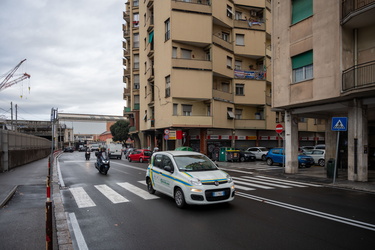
<point x="358" y="76"/>
<point x="350" y="6"/>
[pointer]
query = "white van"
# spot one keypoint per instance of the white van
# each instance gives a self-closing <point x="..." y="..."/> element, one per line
<point x="114" y="150"/>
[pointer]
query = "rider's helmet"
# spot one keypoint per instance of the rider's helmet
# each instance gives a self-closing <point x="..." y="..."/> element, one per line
<point x="103" y="149"/>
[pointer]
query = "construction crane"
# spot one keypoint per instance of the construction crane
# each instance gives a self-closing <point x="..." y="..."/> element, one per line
<point x="6" y="83"/>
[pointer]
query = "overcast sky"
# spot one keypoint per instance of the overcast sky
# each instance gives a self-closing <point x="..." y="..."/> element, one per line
<point x="74" y="56"/>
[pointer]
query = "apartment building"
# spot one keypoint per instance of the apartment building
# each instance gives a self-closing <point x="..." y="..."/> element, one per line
<point x="198" y="73"/>
<point x="324" y="68"/>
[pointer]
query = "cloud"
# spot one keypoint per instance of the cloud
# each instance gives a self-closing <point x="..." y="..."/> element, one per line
<point x="74" y="56"/>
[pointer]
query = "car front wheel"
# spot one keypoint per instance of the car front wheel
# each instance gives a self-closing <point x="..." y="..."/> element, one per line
<point x="242" y="159"/>
<point x="150" y="188"/>
<point x="269" y="162"/>
<point x="179" y="198"/>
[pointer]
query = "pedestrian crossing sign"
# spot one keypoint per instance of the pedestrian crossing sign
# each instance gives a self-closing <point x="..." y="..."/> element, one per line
<point x="339" y="124"/>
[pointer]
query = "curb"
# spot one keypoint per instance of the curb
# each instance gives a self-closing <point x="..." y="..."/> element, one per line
<point x="64" y="240"/>
<point x="9" y="196"/>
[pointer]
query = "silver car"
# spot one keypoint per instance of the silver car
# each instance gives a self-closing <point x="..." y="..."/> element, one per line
<point x="318" y="155"/>
<point x="259" y="152"/>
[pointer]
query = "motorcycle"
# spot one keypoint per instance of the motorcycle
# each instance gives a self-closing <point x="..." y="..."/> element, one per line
<point x="87" y="155"/>
<point x="102" y="163"/>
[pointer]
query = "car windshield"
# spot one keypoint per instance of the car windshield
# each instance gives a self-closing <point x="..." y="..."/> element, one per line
<point x="194" y="163"/>
<point x="147" y="153"/>
<point x="263" y="149"/>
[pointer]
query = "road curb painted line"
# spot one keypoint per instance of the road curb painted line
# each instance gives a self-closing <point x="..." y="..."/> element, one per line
<point x="9" y="196"/>
<point x="316" y="213"/>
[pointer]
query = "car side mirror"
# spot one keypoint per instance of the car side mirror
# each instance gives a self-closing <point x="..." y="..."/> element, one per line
<point x="168" y="168"/>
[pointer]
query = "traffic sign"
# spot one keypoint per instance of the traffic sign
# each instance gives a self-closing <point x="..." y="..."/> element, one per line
<point x="166" y="131"/>
<point x="166" y="137"/>
<point x="339" y="124"/>
<point x="279" y="128"/>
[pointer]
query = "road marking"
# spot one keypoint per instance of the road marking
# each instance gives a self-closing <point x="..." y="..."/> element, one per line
<point x="261" y="182"/>
<point x="316" y="213"/>
<point x="138" y="191"/>
<point x="111" y="194"/>
<point x="296" y="182"/>
<point x="250" y="184"/>
<point x="77" y="232"/>
<point x="274" y="181"/>
<point x="243" y="188"/>
<point x="81" y="197"/>
<point x="234" y="170"/>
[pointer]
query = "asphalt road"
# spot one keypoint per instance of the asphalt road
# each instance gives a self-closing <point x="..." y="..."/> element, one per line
<point x="111" y="212"/>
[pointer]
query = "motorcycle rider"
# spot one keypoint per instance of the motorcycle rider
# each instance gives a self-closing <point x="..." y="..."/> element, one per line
<point x="102" y="153"/>
<point x="87" y="153"/>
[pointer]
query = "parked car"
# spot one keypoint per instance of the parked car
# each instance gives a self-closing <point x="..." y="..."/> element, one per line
<point x="318" y="155"/>
<point x="259" y="152"/>
<point x="320" y="146"/>
<point x="94" y="147"/>
<point x="276" y="155"/>
<point x="305" y="148"/>
<point x="127" y="152"/>
<point x="140" y="155"/>
<point x="69" y="149"/>
<point x="246" y="156"/>
<point x="188" y="177"/>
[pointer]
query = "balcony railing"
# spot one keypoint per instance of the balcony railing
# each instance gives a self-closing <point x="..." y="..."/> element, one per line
<point x="203" y="2"/>
<point x="350" y="6"/>
<point x="359" y="76"/>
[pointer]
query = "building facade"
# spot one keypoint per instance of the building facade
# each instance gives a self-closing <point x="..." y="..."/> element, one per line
<point x="324" y="67"/>
<point x="198" y="73"/>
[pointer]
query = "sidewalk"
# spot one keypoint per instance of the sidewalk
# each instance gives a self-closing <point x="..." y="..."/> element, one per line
<point x="315" y="174"/>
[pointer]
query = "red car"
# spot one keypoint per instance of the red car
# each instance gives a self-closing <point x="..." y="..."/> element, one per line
<point x="140" y="155"/>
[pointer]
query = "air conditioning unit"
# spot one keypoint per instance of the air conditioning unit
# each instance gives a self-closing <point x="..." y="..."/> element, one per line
<point x="253" y="13"/>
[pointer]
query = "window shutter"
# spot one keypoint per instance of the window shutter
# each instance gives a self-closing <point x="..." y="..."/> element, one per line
<point x="301" y="9"/>
<point x="302" y="60"/>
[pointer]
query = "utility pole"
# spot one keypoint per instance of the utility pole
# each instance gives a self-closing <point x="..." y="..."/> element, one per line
<point x="16" y="118"/>
<point x="11" y="116"/>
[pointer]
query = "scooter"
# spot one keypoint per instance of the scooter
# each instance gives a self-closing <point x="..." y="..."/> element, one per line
<point x="87" y="155"/>
<point x="102" y="164"/>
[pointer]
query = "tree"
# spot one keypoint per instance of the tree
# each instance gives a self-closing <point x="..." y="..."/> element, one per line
<point x="120" y="131"/>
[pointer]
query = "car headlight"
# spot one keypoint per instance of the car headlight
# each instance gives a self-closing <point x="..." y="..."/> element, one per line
<point x="195" y="182"/>
<point x="229" y="179"/>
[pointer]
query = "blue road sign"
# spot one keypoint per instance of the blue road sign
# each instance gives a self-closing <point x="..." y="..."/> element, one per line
<point x="339" y="124"/>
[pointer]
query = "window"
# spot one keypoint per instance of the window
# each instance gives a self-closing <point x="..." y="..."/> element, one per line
<point x="225" y="36"/>
<point x="186" y="54"/>
<point x="229" y="62"/>
<point x="167" y="30"/>
<point x="240" y="89"/>
<point x="230" y="114"/>
<point x="229" y="12"/>
<point x="238" y="15"/>
<point x="136" y="20"/>
<point x="208" y="109"/>
<point x="136" y="79"/>
<point x="240" y="39"/>
<point x="167" y="86"/>
<point x="238" y="64"/>
<point x="301" y="9"/>
<point x="174" y="52"/>
<point x="186" y="109"/>
<point x="238" y="114"/>
<point x="135" y="3"/>
<point x="136" y="61"/>
<point x="136" y="40"/>
<point x="175" y="107"/>
<point x="225" y="87"/>
<point x="302" y="66"/>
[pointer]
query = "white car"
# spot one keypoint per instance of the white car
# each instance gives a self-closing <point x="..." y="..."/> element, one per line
<point x="318" y="155"/>
<point x="259" y="152"/>
<point x="188" y="177"/>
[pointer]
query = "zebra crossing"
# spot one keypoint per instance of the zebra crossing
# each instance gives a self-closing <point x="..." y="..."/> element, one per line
<point x="250" y="183"/>
<point x="245" y="183"/>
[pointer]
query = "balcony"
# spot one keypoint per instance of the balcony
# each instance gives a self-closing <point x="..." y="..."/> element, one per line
<point x="357" y="13"/>
<point x="191" y="64"/>
<point x="202" y="6"/>
<point x="222" y="43"/>
<point x="126" y="71"/>
<point x="127" y="54"/>
<point x="126" y="91"/>
<point x="249" y="124"/>
<point x="250" y="75"/>
<point x="126" y="34"/>
<point x="254" y="25"/>
<point x="192" y="121"/>
<point x="126" y="16"/>
<point x="150" y="3"/>
<point x="361" y="76"/>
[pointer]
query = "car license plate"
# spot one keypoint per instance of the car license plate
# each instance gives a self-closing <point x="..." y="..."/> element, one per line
<point x="220" y="193"/>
